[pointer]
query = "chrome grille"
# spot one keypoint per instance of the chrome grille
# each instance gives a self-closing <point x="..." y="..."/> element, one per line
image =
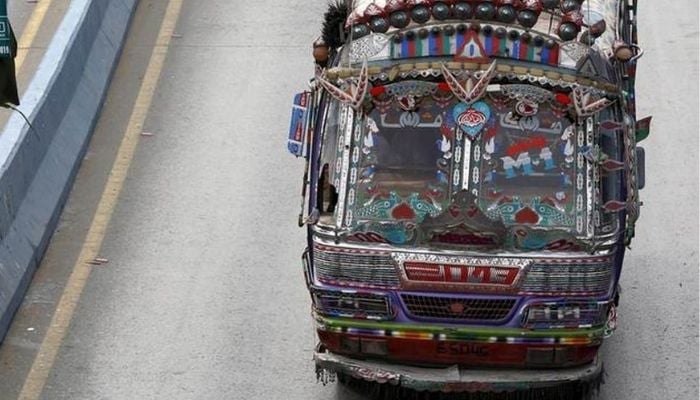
<point x="354" y="267"/>
<point x="578" y="279"/>
<point x="457" y="308"/>
<point x="336" y="303"/>
<point x="565" y="315"/>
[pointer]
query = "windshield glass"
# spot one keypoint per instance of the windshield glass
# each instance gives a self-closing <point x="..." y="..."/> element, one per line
<point x="524" y="164"/>
<point x="424" y="166"/>
<point x="405" y="161"/>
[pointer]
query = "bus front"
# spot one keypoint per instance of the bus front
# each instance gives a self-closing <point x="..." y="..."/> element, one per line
<point x="473" y="183"/>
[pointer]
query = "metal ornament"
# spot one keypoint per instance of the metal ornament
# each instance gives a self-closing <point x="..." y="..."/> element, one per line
<point x="527" y="92"/>
<point x="575" y="51"/>
<point x="615" y="206"/>
<point x="585" y="105"/>
<point x="368" y="47"/>
<point x="472" y="91"/>
<point x="357" y="97"/>
<point x="526" y="108"/>
<point x="407" y="103"/>
<point x="612" y="165"/>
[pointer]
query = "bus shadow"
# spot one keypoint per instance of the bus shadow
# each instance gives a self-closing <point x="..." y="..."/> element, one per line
<point x="350" y="389"/>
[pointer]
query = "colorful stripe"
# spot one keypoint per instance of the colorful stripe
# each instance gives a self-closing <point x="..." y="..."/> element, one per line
<point x="447" y="45"/>
<point x="404" y="49"/>
<point x="488" y="44"/>
<point x="461" y="38"/>
<point x="515" y="50"/>
<point x="438" y="47"/>
<point x="478" y="334"/>
<point x="544" y="55"/>
<point x="522" y="50"/>
<point x="496" y="46"/>
<point x="442" y="45"/>
<point x="531" y="53"/>
<point x="578" y="341"/>
<point x="554" y="56"/>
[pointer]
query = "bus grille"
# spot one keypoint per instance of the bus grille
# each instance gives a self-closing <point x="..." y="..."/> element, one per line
<point x="339" y="266"/>
<point x="336" y="303"/>
<point x="458" y="308"/>
<point x="575" y="279"/>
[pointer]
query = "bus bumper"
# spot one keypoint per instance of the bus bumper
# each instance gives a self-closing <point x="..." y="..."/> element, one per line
<point x="455" y="378"/>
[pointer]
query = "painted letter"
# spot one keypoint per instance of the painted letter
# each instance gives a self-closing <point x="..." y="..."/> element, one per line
<point x="510" y="165"/>
<point x="546" y="155"/>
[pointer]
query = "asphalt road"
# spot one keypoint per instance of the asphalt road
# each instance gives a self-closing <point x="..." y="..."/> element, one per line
<point x="203" y="297"/>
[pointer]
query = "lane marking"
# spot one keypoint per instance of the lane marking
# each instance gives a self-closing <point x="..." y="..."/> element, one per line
<point x="60" y="322"/>
<point x="30" y="30"/>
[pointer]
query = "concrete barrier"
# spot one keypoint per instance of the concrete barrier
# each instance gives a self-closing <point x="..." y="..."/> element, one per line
<point x="37" y="166"/>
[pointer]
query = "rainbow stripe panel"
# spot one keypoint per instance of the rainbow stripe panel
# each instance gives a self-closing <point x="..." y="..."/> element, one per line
<point x="513" y="336"/>
<point x="442" y="44"/>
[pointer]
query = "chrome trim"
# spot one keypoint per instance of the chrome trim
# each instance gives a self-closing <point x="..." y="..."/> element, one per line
<point x="377" y="305"/>
<point x="466" y="168"/>
<point x="477" y="309"/>
<point x="598" y="308"/>
<point x="347" y="118"/>
<point x="358" y="268"/>
<point x="590" y="142"/>
<point x="326" y="236"/>
<point x="440" y="259"/>
<point x="453" y="377"/>
<point x="546" y="277"/>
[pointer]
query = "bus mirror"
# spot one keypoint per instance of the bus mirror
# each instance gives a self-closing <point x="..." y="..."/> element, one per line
<point x="299" y="123"/>
<point x="641" y="161"/>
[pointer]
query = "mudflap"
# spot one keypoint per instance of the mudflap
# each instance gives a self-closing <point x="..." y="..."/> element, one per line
<point x="380" y="380"/>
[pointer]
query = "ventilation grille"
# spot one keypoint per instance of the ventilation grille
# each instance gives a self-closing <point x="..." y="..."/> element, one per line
<point x="354" y="268"/>
<point x="577" y="279"/>
<point x="335" y="303"/>
<point x="457" y="308"/>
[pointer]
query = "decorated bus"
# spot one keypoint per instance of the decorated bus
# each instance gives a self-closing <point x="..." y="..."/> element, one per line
<point x="471" y="184"/>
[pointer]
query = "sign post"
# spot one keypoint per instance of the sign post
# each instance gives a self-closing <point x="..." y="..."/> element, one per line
<point x="8" y="51"/>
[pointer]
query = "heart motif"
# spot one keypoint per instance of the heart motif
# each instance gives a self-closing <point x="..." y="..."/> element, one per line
<point x="403" y="211"/>
<point x="527" y="216"/>
<point x="471" y="119"/>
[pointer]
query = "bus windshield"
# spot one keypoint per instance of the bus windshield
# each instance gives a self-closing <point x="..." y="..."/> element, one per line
<point x="520" y="159"/>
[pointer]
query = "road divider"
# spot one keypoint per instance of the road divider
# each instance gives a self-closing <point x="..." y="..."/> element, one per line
<point x="60" y="321"/>
<point x="38" y="163"/>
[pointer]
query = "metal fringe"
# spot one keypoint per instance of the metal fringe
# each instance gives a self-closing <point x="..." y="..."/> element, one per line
<point x="324" y="376"/>
<point x="372" y="390"/>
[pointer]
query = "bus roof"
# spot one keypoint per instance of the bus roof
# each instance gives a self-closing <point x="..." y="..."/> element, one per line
<point x="591" y="12"/>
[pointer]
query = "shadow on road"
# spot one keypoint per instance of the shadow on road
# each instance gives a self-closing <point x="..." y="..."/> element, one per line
<point x="351" y="389"/>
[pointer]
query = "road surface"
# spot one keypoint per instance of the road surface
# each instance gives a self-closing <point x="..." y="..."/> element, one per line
<point x="200" y="294"/>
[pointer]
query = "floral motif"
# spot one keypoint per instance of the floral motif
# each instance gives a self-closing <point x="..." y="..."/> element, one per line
<point x="471" y="117"/>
